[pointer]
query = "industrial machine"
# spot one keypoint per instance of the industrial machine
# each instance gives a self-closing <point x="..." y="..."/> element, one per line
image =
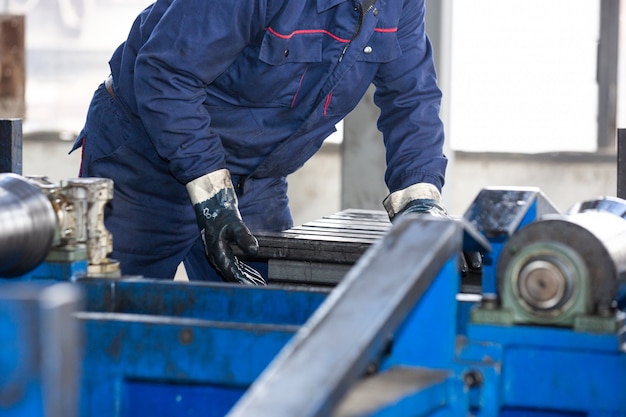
<point x="361" y="317"/>
<point x="62" y="223"/>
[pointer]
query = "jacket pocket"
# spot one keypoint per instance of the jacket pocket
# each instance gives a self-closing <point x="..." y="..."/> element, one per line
<point x="271" y="72"/>
<point x="382" y="47"/>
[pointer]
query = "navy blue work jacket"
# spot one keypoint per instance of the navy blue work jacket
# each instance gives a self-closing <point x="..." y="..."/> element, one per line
<point x="255" y="86"/>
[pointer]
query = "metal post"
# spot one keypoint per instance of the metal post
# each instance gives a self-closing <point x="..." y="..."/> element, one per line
<point x="13" y="64"/>
<point x="11" y="145"/>
<point x="608" y="50"/>
<point x="621" y="163"/>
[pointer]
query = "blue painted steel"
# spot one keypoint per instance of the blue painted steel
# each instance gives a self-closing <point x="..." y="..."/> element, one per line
<point x="497" y="213"/>
<point x="431" y="401"/>
<point x="20" y="380"/>
<point x="465" y="304"/>
<point x="185" y="353"/>
<point x="497" y="241"/>
<point x="167" y="400"/>
<point x="489" y="278"/>
<point x="198" y="345"/>
<point x="168" y="348"/>
<point x="58" y="271"/>
<point x="39" y="349"/>
<point x="427" y="337"/>
<point x="523" y="370"/>
<point x="203" y="300"/>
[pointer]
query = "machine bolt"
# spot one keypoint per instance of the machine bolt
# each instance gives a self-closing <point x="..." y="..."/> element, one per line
<point x="185" y="337"/>
<point x="490" y="301"/>
<point x="473" y="378"/>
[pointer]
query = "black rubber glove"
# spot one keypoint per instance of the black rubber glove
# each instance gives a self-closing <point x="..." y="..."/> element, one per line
<point x="220" y="225"/>
<point x="425" y="198"/>
<point x="425" y="205"/>
<point x="469" y="260"/>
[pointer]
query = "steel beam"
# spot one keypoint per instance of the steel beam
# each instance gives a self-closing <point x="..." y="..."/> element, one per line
<point x="206" y="301"/>
<point x="352" y="328"/>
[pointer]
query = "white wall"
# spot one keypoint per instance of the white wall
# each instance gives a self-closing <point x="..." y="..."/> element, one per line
<point x="524" y="75"/>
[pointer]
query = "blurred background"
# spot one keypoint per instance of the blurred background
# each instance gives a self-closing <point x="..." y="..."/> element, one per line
<point x="532" y="89"/>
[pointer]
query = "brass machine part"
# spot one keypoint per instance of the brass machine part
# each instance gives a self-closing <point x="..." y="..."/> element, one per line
<point x="75" y="221"/>
<point x="79" y="204"/>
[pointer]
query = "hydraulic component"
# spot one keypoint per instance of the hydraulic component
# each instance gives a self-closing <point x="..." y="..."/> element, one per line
<point x="79" y="206"/>
<point x="59" y="222"/>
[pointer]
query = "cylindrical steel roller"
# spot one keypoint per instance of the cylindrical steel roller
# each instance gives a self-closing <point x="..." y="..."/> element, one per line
<point x="27" y="225"/>
<point x="565" y="265"/>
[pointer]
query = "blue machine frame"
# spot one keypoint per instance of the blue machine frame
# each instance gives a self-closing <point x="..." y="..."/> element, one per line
<point x="394" y="338"/>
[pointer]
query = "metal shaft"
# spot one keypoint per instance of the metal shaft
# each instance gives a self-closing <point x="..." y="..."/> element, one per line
<point x="27" y="225"/>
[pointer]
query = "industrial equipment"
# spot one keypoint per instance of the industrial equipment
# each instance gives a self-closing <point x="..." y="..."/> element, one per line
<point x="41" y="346"/>
<point x="60" y="222"/>
<point x="365" y="318"/>
<point x="393" y="338"/>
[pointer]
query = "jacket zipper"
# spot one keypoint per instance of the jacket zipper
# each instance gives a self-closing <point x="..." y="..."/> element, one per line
<point x="364" y="9"/>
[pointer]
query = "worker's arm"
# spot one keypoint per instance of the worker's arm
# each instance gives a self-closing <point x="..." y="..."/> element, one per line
<point x="409" y="99"/>
<point x="188" y="44"/>
<point x="192" y="43"/>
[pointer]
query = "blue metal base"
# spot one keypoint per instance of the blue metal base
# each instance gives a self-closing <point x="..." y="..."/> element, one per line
<point x="152" y="399"/>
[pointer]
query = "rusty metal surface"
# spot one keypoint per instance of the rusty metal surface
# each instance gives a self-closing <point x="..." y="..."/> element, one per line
<point x="12" y="64"/>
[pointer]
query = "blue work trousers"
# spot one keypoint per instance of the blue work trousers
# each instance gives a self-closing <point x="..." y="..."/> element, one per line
<point x="150" y="216"/>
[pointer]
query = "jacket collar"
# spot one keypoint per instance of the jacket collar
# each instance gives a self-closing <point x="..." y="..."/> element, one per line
<point x="323" y="5"/>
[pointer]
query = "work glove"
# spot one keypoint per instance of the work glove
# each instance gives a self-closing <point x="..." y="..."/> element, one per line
<point x="215" y="204"/>
<point x="425" y="198"/>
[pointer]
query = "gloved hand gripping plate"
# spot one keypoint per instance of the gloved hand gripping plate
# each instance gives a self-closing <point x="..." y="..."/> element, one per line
<point x="215" y="204"/>
<point x="425" y="198"/>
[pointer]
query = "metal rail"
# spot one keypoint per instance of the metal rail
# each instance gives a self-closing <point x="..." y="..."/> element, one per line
<point x="354" y="323"/>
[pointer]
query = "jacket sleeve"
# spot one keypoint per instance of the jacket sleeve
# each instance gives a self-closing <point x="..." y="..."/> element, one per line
<point x="192" y="43"/>
<point x="410" y="101"/>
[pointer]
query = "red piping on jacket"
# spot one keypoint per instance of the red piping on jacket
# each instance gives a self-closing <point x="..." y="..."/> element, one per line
<point x="293" y="102"/>
<point x="307" y="32"/>
<point x="327" y="104"/>
<point x="386" y="30"/>
<point x="322" y="31"/>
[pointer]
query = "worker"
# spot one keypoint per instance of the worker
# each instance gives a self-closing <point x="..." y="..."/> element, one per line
<point x="210" y="105"/>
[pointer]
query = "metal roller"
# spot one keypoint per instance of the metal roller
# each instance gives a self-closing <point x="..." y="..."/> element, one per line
<point x="563" y="267"/>
<point x="27" y="225"/>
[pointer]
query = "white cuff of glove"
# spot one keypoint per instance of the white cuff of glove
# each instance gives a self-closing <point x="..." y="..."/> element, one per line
<point x="395" y="202"/>
<point x="206" y="186"/>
